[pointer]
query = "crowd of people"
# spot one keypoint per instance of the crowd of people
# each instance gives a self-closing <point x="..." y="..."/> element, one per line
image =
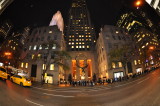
<point x="104" y="81"/>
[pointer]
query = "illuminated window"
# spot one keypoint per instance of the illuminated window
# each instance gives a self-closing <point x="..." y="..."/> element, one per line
<point x="30" y="47"/>
<point x="22" y="64"/>
<point x="87" y="46"/>
<point x="80" y="47"/>
<point x="72" y="43"/>
<point x="69" y="43"/>
<point x="139" y="61"/>
<point x="35" y="47"/>
<point x="83" y="46"/>
<point x="117" y="32"/>
<point x="47" y="47"/>
<point x="32" y="56"/>
<point x="52" y="67"/>
<point x="26" y="65"/>
<point x="72" y="46"/>
<point x="120" y="64"/>
<point x="76" y="46"/>
<point x="50" y="31"/>
<point x="135" y="62"/>
<point x="40" y="47"/>
<point x="39" y="56"/>
<point x="44" y="66"/>
<point x="14" y="48"/>
<point x="54" y="46"/>
<point x="113" y="65"/>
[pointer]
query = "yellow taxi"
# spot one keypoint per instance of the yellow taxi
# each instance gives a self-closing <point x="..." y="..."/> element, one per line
<point x="3" y="73"/>
<point x="21" y="80"/>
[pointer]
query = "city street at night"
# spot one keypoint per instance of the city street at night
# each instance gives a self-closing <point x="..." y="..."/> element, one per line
<point x="79" y="53"/>
<point x="140" y="91"/>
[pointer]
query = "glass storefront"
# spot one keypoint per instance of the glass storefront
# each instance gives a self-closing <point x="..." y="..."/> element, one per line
<point x="118" y="74"/>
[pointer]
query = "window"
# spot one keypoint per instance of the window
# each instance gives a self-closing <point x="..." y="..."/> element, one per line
<point x="49" y="37"/>
<point x="135" y="62"/>
<point x="44" y="66"/>
<point x="42" y="38"/>
<point x="35" y="47"/>
<point x="22" y="64"/>
<point x="26" y="65"/>
<point x="39" y="56"/>
<point x="54" y="46"/>
<point x="120" y="64"/>
<point x="30" y="47"/>
<point x="50" y="31"/>
<point x="32" y="56"/>
<point x="113" y="65"/>
<point x="40" y="47"/>
<point x="52" y="67"/>
<point x="47" y="47"/>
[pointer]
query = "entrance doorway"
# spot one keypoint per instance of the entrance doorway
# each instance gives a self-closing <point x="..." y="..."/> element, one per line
<point x="34" y="70"/>
<point x="49" y="79"/>
<point x="118" y="74"/>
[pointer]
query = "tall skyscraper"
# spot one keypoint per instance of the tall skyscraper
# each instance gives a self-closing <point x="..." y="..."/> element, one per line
<point x="57" y="19"/>
<point x="155" y="4"/>
<point x="4" y="4"/>
<point x="80" y="35"/>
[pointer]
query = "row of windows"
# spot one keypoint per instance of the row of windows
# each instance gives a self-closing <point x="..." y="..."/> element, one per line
<point x="136" y="62"/>
<point x="80" y="39"/>
<point x="80" y="36"/>
<point x="42" y="38"/>
<point x="36" y="47"/>
<point x="80" y="46"/>
<point x="72" y="43"/>
<point x="25" y="65"/>
<point x="114" y="65"/>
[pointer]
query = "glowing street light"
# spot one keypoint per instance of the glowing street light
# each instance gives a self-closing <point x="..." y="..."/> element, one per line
<point x="151" y="48"/>
<point x="7" y="54"/>
<point x="138" y="3"/>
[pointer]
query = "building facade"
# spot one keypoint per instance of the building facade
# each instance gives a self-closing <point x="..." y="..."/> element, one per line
<point x="80" y="35"/>
<point x="41" y="54"/>
<point x="155" y="4"/>
<point x="111" y="38"/>
<point x="4" y="4"/>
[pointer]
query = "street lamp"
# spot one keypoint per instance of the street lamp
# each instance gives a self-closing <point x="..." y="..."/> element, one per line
<point x="138" y="3"/>
<point x="8" y="55"/>
<point x="151" y="48"/>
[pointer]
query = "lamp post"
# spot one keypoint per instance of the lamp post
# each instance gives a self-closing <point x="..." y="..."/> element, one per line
<point x="8" y="55"/>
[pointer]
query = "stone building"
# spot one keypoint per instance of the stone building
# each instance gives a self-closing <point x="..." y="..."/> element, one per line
<point x="40" y="54"/>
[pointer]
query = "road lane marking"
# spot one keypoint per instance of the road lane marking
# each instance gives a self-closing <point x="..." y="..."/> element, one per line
<point x="142" y="81"/>
<point x="59" y="95"/>
<point x="33" y="102"/>
<point x="53" y="90"/>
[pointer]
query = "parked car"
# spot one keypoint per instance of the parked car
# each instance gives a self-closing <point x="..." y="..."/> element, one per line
<point x="3" y="73"/>
<point x="21" y="80"/>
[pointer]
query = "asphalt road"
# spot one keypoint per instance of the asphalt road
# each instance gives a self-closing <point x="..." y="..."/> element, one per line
<point x="141" y="91"/>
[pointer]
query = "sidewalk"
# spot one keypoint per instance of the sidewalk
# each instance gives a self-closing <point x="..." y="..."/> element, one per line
<point x="62" y="86"/>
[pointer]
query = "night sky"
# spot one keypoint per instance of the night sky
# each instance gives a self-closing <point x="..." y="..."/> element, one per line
<point x="24" y="13"/>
